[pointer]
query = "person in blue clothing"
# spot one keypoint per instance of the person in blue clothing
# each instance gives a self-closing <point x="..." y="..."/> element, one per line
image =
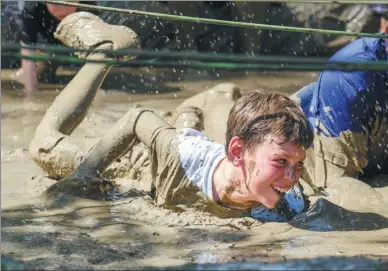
<point x="348" y="111"/>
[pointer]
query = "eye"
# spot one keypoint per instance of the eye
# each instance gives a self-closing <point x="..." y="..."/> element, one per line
<point x="281" y="161"/>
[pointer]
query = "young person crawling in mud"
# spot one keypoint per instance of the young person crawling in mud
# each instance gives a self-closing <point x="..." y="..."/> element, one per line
<point x="266" y="139"/>
<point x="266" y="134"/>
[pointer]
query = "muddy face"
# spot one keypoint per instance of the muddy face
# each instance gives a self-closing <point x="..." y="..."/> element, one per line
<point x="272" y="169"/>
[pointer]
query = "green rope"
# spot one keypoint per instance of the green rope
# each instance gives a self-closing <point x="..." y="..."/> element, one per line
<point x="351" y="2"/>
<point x="170" y="54"/>
<point x="345" y="66"/>
<point x="196" y="56"/>
<point x="218" y="22"/>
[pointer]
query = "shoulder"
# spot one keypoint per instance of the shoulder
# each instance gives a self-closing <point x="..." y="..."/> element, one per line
<point x="362" y="49"/>
<point x="193" y="145"/>
<point x="193" y="139"/>
<point x="192" y="135"/>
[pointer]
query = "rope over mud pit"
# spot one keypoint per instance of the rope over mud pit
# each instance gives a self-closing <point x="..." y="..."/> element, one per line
<point x="169" y="59"/>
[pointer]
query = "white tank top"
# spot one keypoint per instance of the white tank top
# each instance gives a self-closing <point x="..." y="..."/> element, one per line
<point x="199" y="157"/>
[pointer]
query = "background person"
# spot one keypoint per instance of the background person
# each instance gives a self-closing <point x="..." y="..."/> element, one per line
<point x="39" y="22"/>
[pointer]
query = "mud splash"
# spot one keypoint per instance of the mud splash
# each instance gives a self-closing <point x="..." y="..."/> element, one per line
<point x="74" y="233"/>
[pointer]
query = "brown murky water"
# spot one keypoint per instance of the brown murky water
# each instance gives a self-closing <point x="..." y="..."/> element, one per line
<point x="131" y="232"/>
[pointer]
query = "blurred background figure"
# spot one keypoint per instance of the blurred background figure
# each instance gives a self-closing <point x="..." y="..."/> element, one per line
<point x="11" y="23"/>
<point x="154" y="33"/>
<point x="201" y="36"/>
<point x="39" y="22"/>
<point x="11" y="19"/>
<point x="342" y="17"/>
<point x="381" y="13"/>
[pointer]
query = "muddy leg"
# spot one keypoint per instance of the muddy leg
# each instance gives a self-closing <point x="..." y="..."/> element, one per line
<point x="83" y="30"/>
<point x="52" y="143"/>
<point x="214" y="104"/>
<point x="72" y="104"/>
<point x="85" y="181"/>
<point x="52" y="147"/>
<point x="137" y="124"/>
<point x="188" y="117"/>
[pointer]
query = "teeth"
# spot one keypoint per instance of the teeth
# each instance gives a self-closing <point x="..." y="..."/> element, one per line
<point x="281" y="190"/>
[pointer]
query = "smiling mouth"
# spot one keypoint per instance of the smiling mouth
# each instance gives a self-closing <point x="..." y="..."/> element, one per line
<point x="279" y="189"/>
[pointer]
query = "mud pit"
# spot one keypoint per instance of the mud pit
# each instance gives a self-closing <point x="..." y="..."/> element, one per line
<point x="73" y="233"/>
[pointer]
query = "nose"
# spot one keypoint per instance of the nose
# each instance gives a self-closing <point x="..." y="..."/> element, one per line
<point x="290" y="175"/>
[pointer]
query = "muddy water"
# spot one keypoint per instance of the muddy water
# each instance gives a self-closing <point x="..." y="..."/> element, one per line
<point x="73" y="233"/>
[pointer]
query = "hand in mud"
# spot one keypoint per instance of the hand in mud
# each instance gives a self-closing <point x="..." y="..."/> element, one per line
<point x="294" y="202"/>
<point x="283" y="209"/>
<point x="90" y="187"/>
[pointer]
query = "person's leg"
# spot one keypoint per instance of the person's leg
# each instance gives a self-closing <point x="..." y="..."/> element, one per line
<point x="188" y="117"/>
<point x="214" y="104"/>
<point x="136" y="125"/>
<point x="52" y="147"/>
<point x="349" y="115"/>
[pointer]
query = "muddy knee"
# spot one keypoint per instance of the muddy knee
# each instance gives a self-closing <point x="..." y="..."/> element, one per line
<point x="220" y="94"/>
<point x="56" y="156"/>
<point x="188" y="117"/>
<point x="226" y="91"/>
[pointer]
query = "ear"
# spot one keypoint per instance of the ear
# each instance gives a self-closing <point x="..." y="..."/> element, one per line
<point x="236" y="151"/>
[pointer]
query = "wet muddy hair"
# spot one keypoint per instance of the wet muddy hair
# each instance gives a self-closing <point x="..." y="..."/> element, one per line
<point x="257" y="115"/>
